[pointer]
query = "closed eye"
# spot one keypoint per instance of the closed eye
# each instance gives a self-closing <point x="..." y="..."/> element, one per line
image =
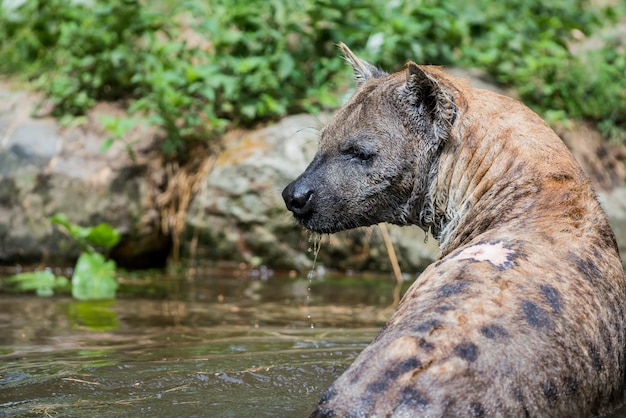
<point x="359" y="155"/>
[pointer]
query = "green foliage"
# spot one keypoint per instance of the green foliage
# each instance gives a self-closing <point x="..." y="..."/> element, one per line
<point x="86" y="53"/>
<point x="194" y="68"/>
<point x="527" y="45"/>
<point x="96" y="315"/>
<point x="178" y="96"/>
<point x="391" y="33"/>
<point x="43" y="282"/>
<point x="119" y="127"/>
<point x="94" y="275"/>
<point x="101" y="235"/>
<point x="591" y="87"/>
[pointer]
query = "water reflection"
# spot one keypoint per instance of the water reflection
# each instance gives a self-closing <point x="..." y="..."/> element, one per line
<point x="215" y="346"/>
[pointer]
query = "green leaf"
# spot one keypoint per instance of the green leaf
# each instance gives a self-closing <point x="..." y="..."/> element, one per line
<point x="248" y="110"/>
<point x="60" y="219"/>
<point x="103" y="235"/>
<point x="45" y="291"/>
<point x="77" y="232"/>
<point x="106" y="144"/>
<point x="94" y="278"/>
<point x="43" y="282"/>
<point x="285" y="66"/>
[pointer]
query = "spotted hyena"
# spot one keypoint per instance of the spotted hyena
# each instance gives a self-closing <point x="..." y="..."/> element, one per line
<point x="523" y="313"/>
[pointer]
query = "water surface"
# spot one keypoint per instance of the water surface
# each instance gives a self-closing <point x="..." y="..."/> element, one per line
<point x="209" y="345"/>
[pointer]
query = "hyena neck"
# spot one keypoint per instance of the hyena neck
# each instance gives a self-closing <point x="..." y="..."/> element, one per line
<point x="482" y="184"/>
<point x="469" y="170"/>
<point x="422" y="207"/>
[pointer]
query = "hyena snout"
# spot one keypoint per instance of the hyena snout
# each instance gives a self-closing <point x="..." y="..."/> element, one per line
<point x="298" y="196"/>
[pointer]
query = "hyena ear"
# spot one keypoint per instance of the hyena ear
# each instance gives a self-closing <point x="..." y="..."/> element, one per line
<point x="426" y="94"/>
<point x="363" y="70"/>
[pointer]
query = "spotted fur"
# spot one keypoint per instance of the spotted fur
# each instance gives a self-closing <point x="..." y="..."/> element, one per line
<point x="523" y="314"/>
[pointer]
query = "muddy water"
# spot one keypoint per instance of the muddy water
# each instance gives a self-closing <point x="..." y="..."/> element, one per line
<point x="205" y="346"/>
<point x="208" y="346"/>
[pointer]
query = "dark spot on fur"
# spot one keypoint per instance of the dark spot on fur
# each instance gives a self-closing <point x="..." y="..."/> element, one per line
<point x="517" y="394"/>
<point x="404" y="367"/>
<point x="606" y="338"/>
<point x="427" y="326"/>
<point x="596" y="358"/>
<point x="506" y="265"/>
<point x="552" y="296"/>
<point x="391" y="375"/>
<point x="493" y="331"/>
<point x="413" y="398"/>
<point x="570" y="384"/>
<point x="425" y="345"/>
<point x="607" y="237"/>
<point x="587" y="267"/>
<point x="467" y="351"/>
<point x="444" y="308"/>
<point x="560" y="176"/>
<point x="597" y="254"/>
<point x="378" y="386"/>
<point x="550" y="392"/>
<point x="536" y="316"/>
<point x="477" y="410"/>
<point x="451" y="289"/>
<point x="357" y="371"/>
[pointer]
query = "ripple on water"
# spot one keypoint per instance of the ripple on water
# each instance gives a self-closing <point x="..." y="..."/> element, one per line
<point x="237" y="348"/>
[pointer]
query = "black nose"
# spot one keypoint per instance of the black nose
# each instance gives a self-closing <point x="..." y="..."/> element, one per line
<point x="298" y="197"/>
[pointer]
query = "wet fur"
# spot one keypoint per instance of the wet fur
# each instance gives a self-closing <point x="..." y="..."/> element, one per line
<point x="523" y="314"/>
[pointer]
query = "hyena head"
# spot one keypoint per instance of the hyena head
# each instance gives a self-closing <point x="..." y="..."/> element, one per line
<point x="377" y="158"/>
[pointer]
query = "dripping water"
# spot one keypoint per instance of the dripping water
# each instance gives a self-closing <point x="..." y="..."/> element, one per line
<point x="315" y="243"/>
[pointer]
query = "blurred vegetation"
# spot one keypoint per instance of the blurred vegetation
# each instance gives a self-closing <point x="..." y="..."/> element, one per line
<point x="197" y="67"/>
<point x="93" y="276"/>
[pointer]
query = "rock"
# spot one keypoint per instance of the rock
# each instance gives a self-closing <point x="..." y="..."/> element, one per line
<point x="614" y="204"/>
<point x="602" y="161"/>
<point x="45" y="168"/>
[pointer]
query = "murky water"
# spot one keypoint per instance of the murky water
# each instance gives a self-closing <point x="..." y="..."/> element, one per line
<point x="205" y="346"/>
<point x="215" y="346"/>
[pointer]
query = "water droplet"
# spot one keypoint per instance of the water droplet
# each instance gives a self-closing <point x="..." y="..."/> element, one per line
<point x="316" y="244"/>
